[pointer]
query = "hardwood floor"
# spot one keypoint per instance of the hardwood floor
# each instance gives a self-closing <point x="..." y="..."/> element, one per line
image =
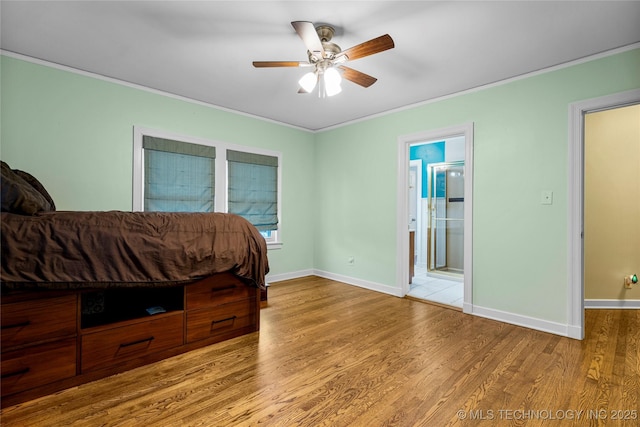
<point x="330" y="354"/>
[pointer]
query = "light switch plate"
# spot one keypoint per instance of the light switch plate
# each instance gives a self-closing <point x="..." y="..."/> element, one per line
<point x="546" y="197"/>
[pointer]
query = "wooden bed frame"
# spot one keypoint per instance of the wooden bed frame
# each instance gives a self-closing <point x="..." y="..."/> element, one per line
<point x="51" y="340"/>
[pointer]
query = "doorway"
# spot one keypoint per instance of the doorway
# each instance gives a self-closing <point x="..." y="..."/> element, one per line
<point x="577" y="112"/>
<point x="437" y="272"/>
<point x="434" y="199"/>
<point x="611" y="207"/>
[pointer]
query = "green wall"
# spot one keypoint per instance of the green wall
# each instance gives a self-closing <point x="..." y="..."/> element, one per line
<point x="339" y="186"/>
<point x="520" y="148"/>
<point x="75" y="134"/>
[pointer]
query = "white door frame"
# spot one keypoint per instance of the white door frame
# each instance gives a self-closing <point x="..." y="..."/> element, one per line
<point x="575" y="191"/>
<point x="402" y="227"/>
<point x="420" y="227"/>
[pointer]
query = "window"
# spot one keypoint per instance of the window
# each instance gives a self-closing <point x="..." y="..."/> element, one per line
<point x="253" y="188"/>
<point x="174" y="173"/>
<point x="178" y="176"/>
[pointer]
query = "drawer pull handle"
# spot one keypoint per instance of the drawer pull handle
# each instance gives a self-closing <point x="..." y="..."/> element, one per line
<point x="16" y="373"/>
<point x="232" y="318"/>
<point x="129" y="344"/>
<point x="224" y="288"/>
<point x="17" y="325"/>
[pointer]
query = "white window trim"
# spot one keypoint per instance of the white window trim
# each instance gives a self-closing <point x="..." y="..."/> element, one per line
<point x="221" y="171"/>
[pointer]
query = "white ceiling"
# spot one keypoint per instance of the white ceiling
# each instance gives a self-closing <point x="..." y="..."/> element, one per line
<point x="203" y="50"/>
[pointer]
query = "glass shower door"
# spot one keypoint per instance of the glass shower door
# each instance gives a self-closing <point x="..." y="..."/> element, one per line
<point x="446" y="218"/>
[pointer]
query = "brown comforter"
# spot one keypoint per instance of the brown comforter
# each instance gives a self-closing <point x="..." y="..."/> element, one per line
<point x="67" y="250"/>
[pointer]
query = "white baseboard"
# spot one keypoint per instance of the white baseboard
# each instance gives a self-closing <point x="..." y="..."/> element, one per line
<point x="337" y="277"/>
<point x="525" y="321"/>
<point x="271" y="278"/>
<point x="612" y="303"/>
<point x="379" y="287"/>
<point x="467" y="308"/>
<point x="575" y="332"/>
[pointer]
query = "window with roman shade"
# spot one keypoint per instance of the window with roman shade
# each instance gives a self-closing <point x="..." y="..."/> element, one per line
<point x="178" y="176"/>
<point x="253" y="188"/>
<point x="181" y="173"/>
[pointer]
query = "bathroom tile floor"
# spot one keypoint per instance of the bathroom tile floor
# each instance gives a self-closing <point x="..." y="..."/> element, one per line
<point x="436" y="289"/>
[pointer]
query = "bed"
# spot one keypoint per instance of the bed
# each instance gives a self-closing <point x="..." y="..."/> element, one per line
<point x="71" y="250"/>
<point x="88" y="294"/>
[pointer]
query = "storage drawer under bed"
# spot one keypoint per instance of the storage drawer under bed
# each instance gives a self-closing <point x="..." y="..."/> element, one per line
<point x="28" y="322"/>
<point x="42" y="364"/>
<point x="107" y="346"/>
<point x="209" y="322"/>
<point x="225" y="289"/>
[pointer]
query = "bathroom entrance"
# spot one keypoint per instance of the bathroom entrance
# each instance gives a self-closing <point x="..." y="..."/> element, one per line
<point x="436" y="220"/>
<point x="435" y="205"/>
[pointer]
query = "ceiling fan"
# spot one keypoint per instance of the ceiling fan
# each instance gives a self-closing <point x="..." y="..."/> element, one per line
<point x="327" y="58"/>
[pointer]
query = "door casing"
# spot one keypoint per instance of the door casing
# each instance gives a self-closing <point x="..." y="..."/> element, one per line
<point x="575" y="191"/>
<point x="402" y="205"/>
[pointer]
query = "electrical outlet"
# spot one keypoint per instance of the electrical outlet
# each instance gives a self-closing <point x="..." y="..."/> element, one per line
<point x="627" y="282"/>
<point x="351" y="260"/>
<point x="546" y="197"/>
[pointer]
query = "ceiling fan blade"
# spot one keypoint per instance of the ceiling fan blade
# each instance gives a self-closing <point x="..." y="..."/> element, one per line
<point x="262" y="64"/>
<point x="379" y="44"/>
<point x="309" y="36"/>
<point x="357" y="77"/>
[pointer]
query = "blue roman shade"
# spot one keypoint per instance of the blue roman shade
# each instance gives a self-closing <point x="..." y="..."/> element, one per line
<point x="179" y="176"/>
<point x="253" y="188"/>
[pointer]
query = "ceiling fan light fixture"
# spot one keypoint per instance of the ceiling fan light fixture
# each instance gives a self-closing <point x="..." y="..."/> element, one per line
<point x="333" y="90"/>
<point x="332" y="80"/>
<point x="308" y="81"/>
<point x="325" y="56"/>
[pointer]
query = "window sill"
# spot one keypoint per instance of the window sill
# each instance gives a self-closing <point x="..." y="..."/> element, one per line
<point x="274" y="245"/>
